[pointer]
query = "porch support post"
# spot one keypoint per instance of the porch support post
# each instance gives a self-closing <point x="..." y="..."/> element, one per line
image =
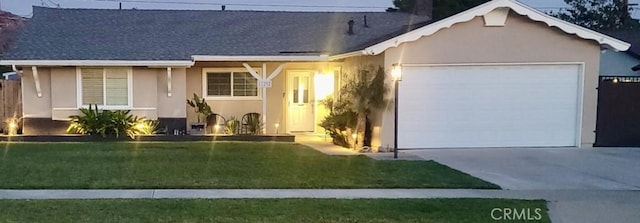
<point x="264" y="78"/>
<point x="264" y="100"/>
<point x="36" y="79"/>
<point x="169" y="87"/>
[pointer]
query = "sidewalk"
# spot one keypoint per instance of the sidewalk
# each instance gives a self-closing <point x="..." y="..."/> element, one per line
<point x="583" y="206"/>
<point x="549" y="195"/>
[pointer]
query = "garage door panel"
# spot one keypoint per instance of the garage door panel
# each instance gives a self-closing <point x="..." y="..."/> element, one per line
<point x="488" y="106"/>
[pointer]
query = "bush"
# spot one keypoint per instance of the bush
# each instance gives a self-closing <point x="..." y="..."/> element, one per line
<point x="109" y="123"/>
<point x="340" y="121"/>
<point x="232" y="126"/>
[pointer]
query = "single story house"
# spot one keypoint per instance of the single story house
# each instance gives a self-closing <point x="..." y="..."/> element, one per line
<point x="617" y="63"/>
<point x="498" y="75"/>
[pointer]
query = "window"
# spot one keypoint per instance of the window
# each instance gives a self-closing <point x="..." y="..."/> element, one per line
<point x="106" y="87"/>
<point x="238" y="83"/>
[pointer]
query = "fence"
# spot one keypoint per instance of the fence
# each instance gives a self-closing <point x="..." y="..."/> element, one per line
<point x="10" y="101"/>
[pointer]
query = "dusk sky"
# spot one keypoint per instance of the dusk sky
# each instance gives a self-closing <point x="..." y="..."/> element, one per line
<point x="23" y="7"/>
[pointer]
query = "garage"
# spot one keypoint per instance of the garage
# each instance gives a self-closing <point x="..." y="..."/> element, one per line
<point x="512" y="105"/>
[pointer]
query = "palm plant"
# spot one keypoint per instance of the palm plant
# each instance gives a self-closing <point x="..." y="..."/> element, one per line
<point x="366" y="91"/>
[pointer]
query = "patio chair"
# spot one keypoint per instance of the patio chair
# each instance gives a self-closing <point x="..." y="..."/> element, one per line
<point x="216" y="119"/>
<point x="251" y="124"/>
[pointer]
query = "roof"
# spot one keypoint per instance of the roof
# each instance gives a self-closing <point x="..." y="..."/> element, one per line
<point x="169" y="35"/>
<point x="489" y="7"/>
<point x="630" y="36"/>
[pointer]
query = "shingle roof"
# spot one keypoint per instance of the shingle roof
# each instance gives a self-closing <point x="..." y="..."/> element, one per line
<point x="105" y="34"/>
<point x="630" y="36"/>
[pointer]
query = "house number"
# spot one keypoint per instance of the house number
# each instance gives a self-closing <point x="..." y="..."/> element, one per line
<point x="264" y="83"/>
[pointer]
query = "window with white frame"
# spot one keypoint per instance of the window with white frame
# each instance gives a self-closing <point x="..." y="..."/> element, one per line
<point x="106" y="87"/>
<point x="229" y="83"/>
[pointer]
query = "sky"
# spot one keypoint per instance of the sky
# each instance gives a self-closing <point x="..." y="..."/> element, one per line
<point x="23" y="7"/>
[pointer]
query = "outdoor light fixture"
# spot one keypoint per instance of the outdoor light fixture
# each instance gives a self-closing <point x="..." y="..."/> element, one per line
<point x="396" y="74"/>
<point x="277" y="127"/>
<point x="216" y="128"/>
<point x="615" y="80"/>
<point x="12" y="127"/>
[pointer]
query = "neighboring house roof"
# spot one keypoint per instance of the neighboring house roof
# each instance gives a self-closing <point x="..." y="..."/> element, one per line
<point x="177" y="35"/>
<point x="630" y="36"/>
<point x="489" y="7"/>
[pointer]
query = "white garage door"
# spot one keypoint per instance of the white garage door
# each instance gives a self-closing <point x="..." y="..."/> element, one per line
<point x="488" y="106"/>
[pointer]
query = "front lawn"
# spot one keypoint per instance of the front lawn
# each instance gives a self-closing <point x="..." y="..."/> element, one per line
<point x="211" y="165"/>
<point x="271" y="210"/>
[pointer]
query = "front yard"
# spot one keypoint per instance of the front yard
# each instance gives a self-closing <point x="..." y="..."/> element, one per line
<point x="211" y="165"/>
<point x="269" y="210"/>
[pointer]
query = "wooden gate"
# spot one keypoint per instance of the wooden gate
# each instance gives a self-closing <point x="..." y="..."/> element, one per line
<point x="10" y="102"/>
<point x="618" y="122"/>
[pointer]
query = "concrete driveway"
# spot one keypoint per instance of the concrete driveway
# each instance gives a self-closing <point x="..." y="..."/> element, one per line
<point x="545" y="168"/>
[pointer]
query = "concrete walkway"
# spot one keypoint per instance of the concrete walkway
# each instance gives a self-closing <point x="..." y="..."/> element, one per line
<point x="323" y="144"/>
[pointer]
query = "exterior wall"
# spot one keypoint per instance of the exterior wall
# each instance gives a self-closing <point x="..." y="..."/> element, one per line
<point x="520" y="41"/>
<point x="32" y="105"/>
<point x="237" y="108"/>
<point x="614" y="63"/>
<point x="36" y="109"/>
<point x="49" y="113"/>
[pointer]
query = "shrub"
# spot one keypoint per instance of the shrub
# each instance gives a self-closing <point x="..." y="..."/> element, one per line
<point x="340" y="121"/>
<point x="109" y="123"/>
<point x="254" y="124"/>
<point x="146" y="127"/>
<point x="232" y="126"/>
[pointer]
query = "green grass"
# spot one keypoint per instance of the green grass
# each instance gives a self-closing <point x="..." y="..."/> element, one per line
<point x="211" y="165"/>
<point x="271" y="210"/>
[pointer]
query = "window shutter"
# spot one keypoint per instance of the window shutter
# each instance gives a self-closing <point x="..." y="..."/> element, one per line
<point x="92" y="91"/>
<point x="116" y="87"/>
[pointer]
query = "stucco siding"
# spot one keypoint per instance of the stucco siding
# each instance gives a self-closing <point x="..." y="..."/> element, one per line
<point x="145" y="92"/>
<point x="520" y="41"/>
<point x="614" y="63"/>
<point x="171" y="106"/>
<point x="34" y="106"/>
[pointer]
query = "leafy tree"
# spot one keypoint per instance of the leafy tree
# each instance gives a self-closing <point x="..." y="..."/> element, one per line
<point x="599" y="14"/>
<point x="441" y="8"/>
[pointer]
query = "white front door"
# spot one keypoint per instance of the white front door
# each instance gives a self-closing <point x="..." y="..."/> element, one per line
<point x="300" y="103"/>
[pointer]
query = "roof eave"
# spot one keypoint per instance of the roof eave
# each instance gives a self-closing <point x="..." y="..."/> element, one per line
<point x="217" y="58"/>
<point x="154" y="63"/>
<point x="488" y="7"/>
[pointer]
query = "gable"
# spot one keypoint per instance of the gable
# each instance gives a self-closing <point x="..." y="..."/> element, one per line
<point x="519" y="41"/>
